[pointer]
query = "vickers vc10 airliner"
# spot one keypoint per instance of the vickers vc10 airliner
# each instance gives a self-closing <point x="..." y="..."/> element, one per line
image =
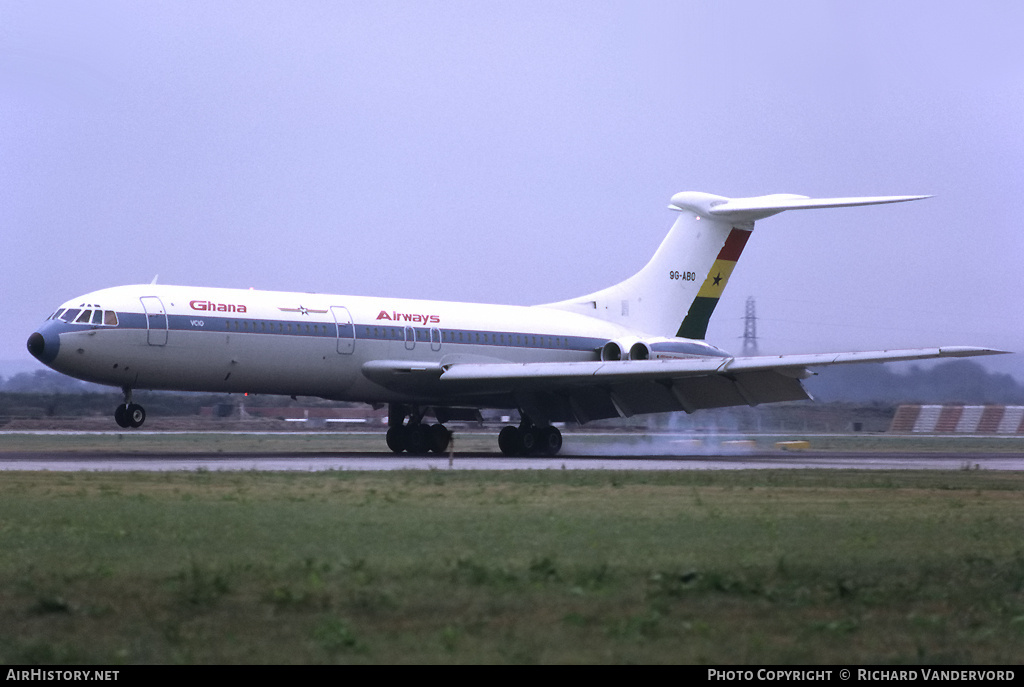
<point x="635" y="347"/>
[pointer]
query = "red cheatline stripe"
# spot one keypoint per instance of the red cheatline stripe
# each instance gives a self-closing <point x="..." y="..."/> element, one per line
<point x="734" y="245"/>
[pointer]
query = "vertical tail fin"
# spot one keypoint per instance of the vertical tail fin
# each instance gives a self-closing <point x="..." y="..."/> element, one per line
<point x="677" y="291"/>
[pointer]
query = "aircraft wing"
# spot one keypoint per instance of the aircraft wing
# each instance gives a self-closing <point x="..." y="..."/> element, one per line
<point x="593" y="390"/>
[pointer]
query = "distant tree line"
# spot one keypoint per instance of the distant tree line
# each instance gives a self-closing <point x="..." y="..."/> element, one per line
<point x="48" y="381"/>
<point x="954" y="381"/>
<point x="44" y="392"/>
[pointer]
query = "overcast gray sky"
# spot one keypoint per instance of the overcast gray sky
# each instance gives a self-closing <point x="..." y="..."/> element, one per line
<point x="519" y="152"/>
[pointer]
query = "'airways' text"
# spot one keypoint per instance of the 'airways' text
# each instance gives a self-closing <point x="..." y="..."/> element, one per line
<point x="408" y="317"/>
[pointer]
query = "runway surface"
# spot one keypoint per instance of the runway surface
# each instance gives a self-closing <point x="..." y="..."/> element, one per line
<point x="791" y="460"/>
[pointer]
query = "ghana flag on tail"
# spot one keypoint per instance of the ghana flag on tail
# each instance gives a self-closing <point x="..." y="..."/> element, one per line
<point x="695" y="324"/>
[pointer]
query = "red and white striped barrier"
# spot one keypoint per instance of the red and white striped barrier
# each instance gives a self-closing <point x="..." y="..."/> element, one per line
<point x="955" y="419"/>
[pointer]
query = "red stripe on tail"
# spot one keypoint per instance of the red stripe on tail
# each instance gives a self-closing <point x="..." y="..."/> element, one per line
<point x="734" y="245"/>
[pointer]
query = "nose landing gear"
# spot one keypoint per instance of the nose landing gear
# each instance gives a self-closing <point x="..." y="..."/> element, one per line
<point x="129" y="414"/>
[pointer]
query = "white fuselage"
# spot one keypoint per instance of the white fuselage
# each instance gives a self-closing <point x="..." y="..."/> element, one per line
<point x="268" y="342"/>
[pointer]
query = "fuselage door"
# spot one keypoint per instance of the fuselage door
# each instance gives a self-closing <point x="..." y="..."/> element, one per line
<point x="435" y="339"/>
<point x="346" y="330"/>
<point x="156" y="320"/>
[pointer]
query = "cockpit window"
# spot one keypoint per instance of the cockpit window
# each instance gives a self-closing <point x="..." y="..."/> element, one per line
<point x="94" y="316"/>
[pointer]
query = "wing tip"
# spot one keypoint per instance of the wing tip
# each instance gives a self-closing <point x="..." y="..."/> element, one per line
<point x="969" y="351"/>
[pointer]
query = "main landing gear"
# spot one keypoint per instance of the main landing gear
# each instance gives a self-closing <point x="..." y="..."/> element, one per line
<point x="420" y="438"/>
<point x="416" y="437"/>
<point x="129" y="414"/>
<point x="529" y="440"/>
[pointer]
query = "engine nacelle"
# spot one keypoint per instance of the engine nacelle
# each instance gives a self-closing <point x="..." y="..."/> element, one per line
<point x="625" y="350"/>
<point x="611" y="351"/>
<point x="640" y="351"/>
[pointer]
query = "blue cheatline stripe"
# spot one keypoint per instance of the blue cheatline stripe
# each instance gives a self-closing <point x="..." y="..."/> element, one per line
<point x="330" y="330"/>
<point x="376" y="332"/>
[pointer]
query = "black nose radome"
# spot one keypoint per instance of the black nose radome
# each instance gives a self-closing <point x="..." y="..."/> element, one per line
<point x="36" y="344"/>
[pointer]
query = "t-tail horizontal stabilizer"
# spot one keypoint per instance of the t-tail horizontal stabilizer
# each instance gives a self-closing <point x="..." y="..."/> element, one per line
<point x="742" y="210"/>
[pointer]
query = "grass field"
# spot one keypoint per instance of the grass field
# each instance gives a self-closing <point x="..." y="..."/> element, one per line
<point x="512" y="567"/>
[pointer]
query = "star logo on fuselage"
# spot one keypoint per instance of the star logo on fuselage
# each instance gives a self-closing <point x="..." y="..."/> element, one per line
<point x="717" y="279"/>
<point x="302" y="310"/>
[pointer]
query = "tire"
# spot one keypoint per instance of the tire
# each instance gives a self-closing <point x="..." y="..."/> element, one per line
<point x="136" y="415"/>
<point x="396" y="439"/>
<point x="530" y="440"/>
<point x="509" y="441"/>
<point x="417" y="439"/>
<point x="121" y="416"/>
<point x="439" y="438"/>
<point x="550" y="441"/>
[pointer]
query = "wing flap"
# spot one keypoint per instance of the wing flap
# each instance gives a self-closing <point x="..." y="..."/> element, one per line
<point x="685" y="394"/>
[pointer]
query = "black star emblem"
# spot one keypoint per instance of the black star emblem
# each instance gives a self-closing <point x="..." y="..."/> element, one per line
<point x="717" y="279"/>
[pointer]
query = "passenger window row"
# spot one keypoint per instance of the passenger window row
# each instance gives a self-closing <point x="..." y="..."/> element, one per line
<point x="278" y="327"/>
<point x="450" y="336"/>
